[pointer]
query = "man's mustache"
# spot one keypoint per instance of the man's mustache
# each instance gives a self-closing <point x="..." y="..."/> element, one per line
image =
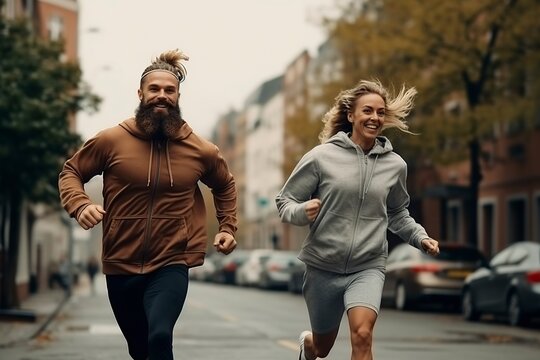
<point x="161" y="102"/>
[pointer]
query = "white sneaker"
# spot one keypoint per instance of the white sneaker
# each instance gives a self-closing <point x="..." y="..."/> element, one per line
<point x="301" y="340"/>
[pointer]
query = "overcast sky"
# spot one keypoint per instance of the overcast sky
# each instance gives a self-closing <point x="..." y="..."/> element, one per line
<point x="233" y="45"/>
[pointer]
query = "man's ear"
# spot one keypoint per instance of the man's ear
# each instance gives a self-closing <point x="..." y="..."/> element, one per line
<point x="139" y="94"/>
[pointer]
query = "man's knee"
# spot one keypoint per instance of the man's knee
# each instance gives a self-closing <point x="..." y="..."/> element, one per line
<point x="138" y="352"/>
<point x="160" y="342"/>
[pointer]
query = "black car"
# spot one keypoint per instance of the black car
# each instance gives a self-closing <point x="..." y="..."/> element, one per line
<point x="509" y="285"/>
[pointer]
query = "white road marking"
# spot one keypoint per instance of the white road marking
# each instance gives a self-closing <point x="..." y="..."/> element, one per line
<point x="291" y="345"/>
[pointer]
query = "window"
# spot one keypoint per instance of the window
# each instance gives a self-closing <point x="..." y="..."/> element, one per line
<point x="487" y="229"/>
<point x="518" y="256"/>
<point x="536" y="217"/>
<point x="55" y="27"/>
<point x="501" y="258"/>
<point x="517" y="216"/>
<point x="454" y="221"/>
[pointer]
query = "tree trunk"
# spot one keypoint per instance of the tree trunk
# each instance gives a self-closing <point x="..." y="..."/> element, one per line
<point x="4" y="259"/>
<point x="475" y="179"/>
<point x="32" y="270"/>
<point x="10" y="298"/>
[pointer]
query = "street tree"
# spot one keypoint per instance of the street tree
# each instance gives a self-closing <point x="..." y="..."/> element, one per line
<point x="475" y="64"/>
<point x="39" y="93"/>
<point x="301" y="134"/>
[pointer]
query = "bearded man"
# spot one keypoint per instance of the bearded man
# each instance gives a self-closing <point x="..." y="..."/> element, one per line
<point x="154" y="217"/>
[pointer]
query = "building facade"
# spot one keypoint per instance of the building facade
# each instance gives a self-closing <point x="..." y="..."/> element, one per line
<point x="264" y="159"/>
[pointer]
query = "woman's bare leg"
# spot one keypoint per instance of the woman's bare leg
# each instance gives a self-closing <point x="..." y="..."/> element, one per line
<point x="361" y="324"/>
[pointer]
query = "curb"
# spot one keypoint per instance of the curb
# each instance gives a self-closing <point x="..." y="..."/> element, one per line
<point x="50" y="318"/>
<point x="41" y="327"/>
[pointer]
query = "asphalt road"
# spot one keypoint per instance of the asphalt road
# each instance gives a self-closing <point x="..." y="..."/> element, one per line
<point x="228" y="322"/>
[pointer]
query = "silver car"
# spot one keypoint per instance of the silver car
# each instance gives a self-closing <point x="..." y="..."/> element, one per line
<point x="249" y="273"/>
<point x="276" y="270"/>
<point x="413" y="277"/>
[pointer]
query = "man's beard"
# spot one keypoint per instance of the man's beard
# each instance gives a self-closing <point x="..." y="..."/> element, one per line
<point x="159" y="125"/>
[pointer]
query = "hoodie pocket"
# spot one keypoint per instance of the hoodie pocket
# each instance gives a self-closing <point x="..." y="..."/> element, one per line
<point x="370" y="239"/>
<point x="124" y="239"/>
<point x="331" y="240"/>
<point x="169" y="236"/>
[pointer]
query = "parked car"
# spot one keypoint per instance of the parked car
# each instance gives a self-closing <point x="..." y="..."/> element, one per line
<point x="296" y="279"/>
<point x="413" y="277"/>
<point x="206" y="271"/>
<point x="509" y="285"/>
<point x="227" y="265"/>
<point x="276" y="269"/>
<point x="249" y="273"/>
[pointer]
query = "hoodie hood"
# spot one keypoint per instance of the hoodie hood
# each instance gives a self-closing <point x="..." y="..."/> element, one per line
<point x="130" y="126"/>
<point x="342" y="139"/>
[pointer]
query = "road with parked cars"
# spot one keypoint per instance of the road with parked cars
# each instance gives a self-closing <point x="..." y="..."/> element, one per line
<point x="226" y="321"/>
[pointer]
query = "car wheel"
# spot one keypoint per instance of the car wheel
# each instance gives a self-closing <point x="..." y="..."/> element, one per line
<point x="263" y="282"/>
<point x="291" y="286"/>
<point x="400" y="301"/>
<point x="514" y="310"/>
<point x="468" y="309"/>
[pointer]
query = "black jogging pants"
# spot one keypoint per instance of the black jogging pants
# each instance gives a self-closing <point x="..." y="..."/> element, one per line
<point x="146" y="307"/>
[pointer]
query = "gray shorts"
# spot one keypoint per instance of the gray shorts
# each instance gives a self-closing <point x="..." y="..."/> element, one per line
<point x="328" y="295"/>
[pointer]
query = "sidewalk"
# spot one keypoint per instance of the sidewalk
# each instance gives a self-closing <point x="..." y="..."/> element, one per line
<point x="46" y="305"/>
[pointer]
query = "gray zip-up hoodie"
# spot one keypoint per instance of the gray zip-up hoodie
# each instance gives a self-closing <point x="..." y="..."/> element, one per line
<point x="362" y="195"/>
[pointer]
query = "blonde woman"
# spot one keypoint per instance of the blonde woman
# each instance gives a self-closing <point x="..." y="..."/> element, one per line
<point x="349" y="190"/>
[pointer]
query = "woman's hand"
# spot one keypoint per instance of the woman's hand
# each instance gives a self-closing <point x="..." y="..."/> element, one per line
<point x="312" y="208"/>
<point x="431" y="246"/>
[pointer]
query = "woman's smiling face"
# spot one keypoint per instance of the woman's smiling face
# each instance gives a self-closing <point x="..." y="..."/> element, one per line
<point x="367" y="120"/>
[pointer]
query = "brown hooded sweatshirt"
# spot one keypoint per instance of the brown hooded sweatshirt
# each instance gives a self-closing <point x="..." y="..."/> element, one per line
<point x="155" y="212"/>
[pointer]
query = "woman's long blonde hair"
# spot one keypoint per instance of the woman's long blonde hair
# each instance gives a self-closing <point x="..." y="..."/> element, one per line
<point x="396" y="108"/>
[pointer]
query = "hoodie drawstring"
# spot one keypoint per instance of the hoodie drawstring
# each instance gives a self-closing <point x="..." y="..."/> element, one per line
<point x="169" y="163"/>
<point x="150" y="163"/>
<point x="169" y="170"/>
